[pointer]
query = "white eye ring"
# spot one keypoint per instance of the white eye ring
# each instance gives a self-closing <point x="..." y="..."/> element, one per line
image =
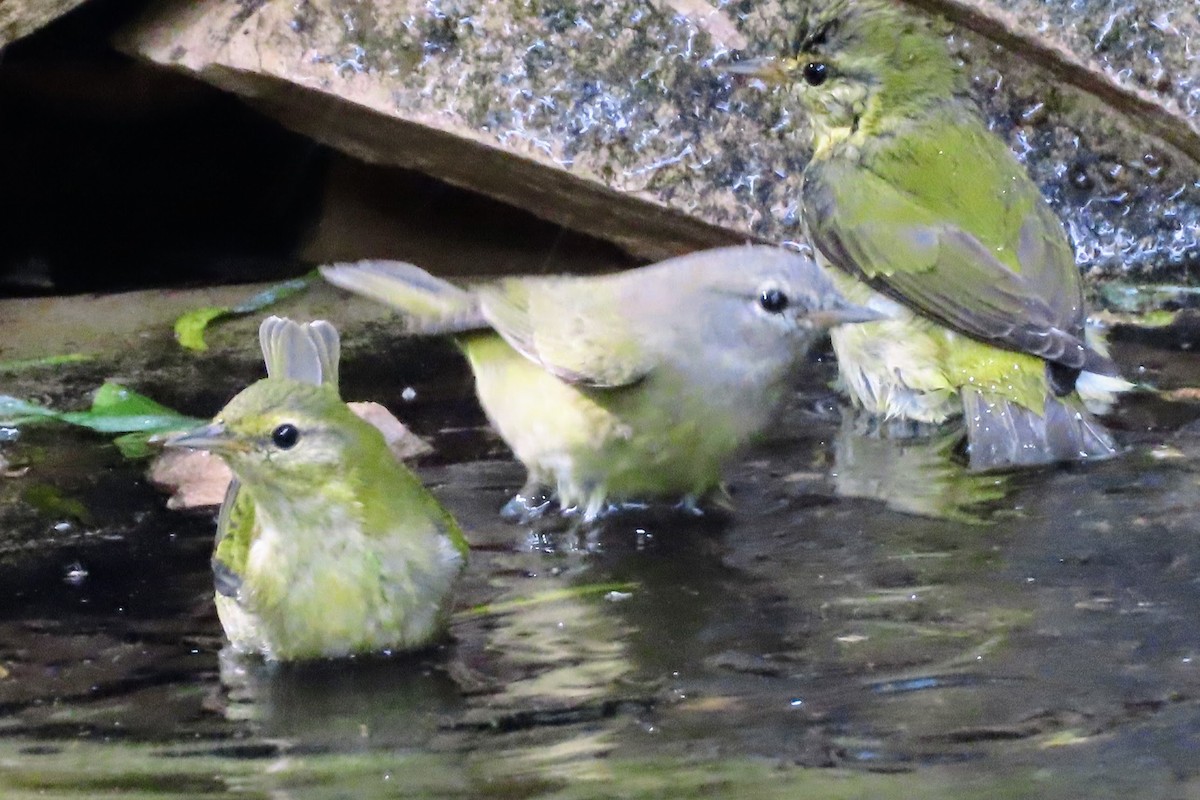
<point x="773" y="300"/>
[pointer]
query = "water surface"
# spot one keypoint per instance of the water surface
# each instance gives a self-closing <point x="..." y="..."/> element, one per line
<point x="935" y="634"/>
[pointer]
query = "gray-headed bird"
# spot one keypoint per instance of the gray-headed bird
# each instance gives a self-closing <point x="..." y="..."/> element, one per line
<point x="627" y="387"/>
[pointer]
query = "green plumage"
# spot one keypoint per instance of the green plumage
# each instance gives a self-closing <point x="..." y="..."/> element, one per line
<point x="326" y="545"/>
<point x="910" y="195"/>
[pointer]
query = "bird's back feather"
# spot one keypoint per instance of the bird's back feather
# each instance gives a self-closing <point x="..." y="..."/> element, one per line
<point x="577" y="330"/>
<point x="911" y="225"/>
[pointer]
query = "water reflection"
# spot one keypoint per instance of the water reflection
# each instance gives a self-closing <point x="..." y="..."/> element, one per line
<point x="922" y="475"/>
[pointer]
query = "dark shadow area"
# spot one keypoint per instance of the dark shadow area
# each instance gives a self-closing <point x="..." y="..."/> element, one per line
<point x="120" y="175"/>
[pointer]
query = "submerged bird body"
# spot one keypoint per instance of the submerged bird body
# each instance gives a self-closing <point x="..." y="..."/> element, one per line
<point x="634" y="386"/>
<point x="931" y="220"/>
<point x="326" y="545"/>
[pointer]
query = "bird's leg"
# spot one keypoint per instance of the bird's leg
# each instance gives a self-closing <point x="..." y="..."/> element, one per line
<point x="690" y="505"/>
<point x="717" y="498"/>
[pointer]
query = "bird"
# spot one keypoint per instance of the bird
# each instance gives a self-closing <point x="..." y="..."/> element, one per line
<point x="326" y="545"/>
<point x="632" y="387"/>
<point x="926" y="216"/>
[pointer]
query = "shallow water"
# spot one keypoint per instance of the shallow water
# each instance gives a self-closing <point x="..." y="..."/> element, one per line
<point x="1017" y="636"/>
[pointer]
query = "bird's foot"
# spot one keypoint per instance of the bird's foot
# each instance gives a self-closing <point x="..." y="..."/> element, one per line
<point x="532" y="502"/>
<point x="717" y="499"/>
<point x="599" y="509"/>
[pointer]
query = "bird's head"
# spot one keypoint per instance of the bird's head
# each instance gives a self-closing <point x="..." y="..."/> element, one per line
<point x="748" y="308"/>
<point x="281" y="435"/>
<point x="851" y="63"/>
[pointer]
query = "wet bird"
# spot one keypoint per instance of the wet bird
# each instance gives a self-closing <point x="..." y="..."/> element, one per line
<point x="326" y="545"/>
<point x="930" y="219"/>
<point x="628" y="387"/>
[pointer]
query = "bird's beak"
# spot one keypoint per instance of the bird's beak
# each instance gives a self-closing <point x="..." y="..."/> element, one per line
<point x="843" y="313"/>
<point x="771" y="71"/>
<point x="214" y="437"/>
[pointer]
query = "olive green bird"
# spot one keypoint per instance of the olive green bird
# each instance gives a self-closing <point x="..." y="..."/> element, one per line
<point x="938" y="227"/>
<point x="628" y="387"/>
<point x="326" y="545"/>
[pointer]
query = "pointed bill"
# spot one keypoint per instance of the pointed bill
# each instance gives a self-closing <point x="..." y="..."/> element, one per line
<point x="214" y="437"/>
<point x="842" y="314"/>
<point x="772" y="71"/>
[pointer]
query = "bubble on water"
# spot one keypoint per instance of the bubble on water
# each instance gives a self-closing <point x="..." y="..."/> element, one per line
<point x="75" y="574"/>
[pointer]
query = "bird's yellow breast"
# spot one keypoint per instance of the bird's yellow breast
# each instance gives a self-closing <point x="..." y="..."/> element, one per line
<point x="653" y="438"/>
<point x="317" y="585"/>
<point x="909" y="367"/>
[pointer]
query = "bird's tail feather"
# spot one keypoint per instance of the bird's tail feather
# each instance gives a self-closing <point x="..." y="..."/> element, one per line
<point x="1001" y="433"/>
<point x="308" y="352"/>
<point x="429" y="304"/>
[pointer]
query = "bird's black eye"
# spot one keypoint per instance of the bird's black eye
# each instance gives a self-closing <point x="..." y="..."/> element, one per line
<point x="285" y="436"/>
<point x="815" y="73"/>
<point x="773" y="301"/>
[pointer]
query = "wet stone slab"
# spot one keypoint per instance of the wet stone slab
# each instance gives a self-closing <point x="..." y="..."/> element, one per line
<point x="22" y="17"/>
<point x="836" y="635"/>
<point x="617" y="118"/>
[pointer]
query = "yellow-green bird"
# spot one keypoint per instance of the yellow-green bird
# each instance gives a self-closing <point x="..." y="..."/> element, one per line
<point x="326" y="545"/>
<point x="940" y="228"/>
<point x="627" y="387"/>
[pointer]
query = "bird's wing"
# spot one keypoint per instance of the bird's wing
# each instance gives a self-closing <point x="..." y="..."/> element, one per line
<point x="930" y="258"/>
<point x="574" y="328"/>
<point x="429" y="304"/>
<point x="308" y="353"/>
<point x="235" y="532"/>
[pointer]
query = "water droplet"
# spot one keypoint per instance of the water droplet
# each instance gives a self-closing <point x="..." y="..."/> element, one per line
<point x="1080" y="178"/>
<point x="76" y="574"/>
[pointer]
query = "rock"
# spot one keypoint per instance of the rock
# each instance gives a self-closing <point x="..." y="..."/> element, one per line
<point x="195" y="478"/>
<point x="403" y="443"/>
<point x="459" y="93"/>
<point x="22" y="17"/>
<point x="1137" y="57"/>
<point x="617" y="120"/>
<point x="398" y="214"/>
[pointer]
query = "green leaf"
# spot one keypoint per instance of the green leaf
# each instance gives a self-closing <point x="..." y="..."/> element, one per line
<point x="113" y="398"/>
<point x="273" y="294"/>
<point x="190" y="327"/>
<point x="115" y="409"/>
<point x="134" y="445"/>
<point x="14" y="410"/>
<point x="8" y="367"/>
<point x="50" y="502"/>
